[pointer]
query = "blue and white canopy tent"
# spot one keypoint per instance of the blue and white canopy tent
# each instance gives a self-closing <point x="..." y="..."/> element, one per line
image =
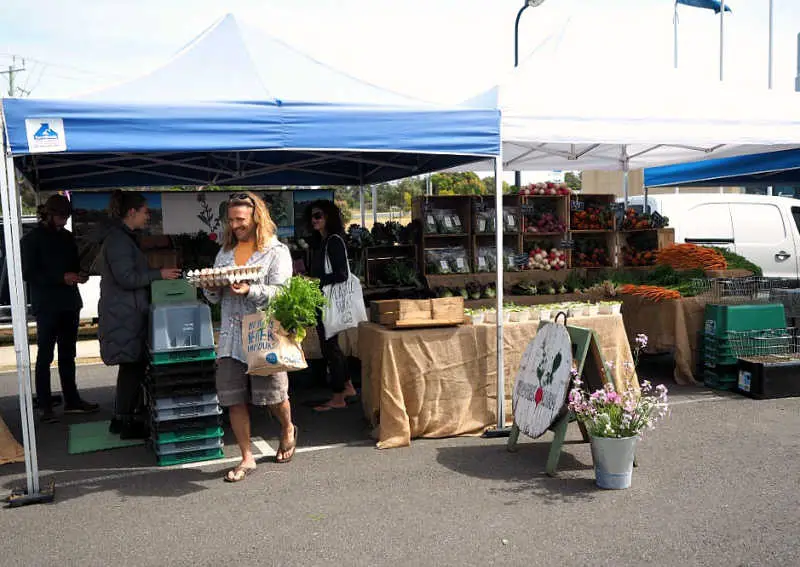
<point x="189" y="123"/>
<point x="762" y="169"/>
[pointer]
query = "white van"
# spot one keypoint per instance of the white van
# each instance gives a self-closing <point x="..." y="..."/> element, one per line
<point x="763" y="229"/>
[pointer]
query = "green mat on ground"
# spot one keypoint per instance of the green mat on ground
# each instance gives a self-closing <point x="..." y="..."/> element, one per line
<point x="94" y="436"/>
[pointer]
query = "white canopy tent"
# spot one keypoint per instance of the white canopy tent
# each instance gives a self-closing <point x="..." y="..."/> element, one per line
<point x="610" y="113"/>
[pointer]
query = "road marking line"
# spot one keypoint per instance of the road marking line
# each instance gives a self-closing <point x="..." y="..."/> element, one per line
<point x="701" y="400"/>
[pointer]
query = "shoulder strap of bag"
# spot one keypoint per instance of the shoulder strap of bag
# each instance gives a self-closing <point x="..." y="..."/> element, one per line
<point x="328" y="260"/>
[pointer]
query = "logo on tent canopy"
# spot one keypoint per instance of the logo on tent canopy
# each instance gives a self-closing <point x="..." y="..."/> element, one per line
<point x="45" y="135"/>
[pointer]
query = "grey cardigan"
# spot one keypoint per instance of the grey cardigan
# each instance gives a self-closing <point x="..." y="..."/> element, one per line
<point x="278" y="261"/>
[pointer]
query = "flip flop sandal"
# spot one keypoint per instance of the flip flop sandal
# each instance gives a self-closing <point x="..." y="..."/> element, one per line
<point x="322" y="408"/>
<point x="238" y="474"/>
<point x="283" y="450"/>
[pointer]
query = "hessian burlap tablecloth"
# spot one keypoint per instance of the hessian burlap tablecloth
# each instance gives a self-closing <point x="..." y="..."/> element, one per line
<point x="671" y="326"/>
<point x="443" y="382"/>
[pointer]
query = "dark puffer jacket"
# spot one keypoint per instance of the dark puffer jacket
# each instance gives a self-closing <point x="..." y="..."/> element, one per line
<point x="124" y="297"/>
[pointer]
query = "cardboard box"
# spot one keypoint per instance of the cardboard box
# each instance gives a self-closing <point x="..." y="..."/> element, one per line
<point x="416" y="313"/>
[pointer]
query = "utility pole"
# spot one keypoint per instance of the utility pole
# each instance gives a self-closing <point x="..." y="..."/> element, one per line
<point x="13" y="70"/>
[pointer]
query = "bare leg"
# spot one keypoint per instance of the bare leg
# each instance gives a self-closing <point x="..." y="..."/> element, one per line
<point x="349" y="389"/>
<point x="283" y="411"/>
<point x="240" y="423"/>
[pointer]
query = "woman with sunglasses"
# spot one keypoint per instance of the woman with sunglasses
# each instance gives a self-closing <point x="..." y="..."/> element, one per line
<point x="324" y="222"/>
<point x="250" y="240"/>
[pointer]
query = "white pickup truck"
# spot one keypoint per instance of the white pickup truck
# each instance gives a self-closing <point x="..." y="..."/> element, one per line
<point x="763" y="229"/>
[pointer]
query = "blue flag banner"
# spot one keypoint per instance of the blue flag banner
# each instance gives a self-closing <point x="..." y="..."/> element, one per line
<point x="715" y="5"/>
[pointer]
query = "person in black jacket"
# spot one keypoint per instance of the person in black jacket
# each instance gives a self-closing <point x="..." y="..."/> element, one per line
<point x="51" y="268"/>
<point x="324" y="221"/>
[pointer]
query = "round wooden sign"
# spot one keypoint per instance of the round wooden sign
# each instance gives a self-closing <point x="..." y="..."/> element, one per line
<point x="540" y="390"/>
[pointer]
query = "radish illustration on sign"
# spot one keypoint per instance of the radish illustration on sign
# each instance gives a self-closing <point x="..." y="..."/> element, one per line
<point x="540" y="390"/>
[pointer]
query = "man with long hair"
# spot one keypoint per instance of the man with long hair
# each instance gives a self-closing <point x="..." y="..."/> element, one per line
<point x="51" y="267"/>
<point x="250" y="239"/>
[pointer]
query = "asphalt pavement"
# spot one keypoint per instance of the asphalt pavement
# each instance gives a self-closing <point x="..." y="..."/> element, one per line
<point x="717" y="484"/>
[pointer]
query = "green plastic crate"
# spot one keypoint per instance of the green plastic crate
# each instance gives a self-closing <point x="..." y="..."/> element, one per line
<point x="721" y="378"/>
<point x="722" y="319"/>
<point x="171" y="291"/>
<point x="189" y="435"/>
<point x="181" y="356"/>
<point x="193" y="457"/>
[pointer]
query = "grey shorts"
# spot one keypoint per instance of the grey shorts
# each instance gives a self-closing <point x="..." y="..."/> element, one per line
<point x="235" y="386"/>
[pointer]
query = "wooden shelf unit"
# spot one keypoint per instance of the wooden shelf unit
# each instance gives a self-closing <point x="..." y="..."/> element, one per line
<point x="469" y="209"/>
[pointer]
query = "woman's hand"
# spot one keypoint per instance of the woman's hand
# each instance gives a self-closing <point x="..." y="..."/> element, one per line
<point x="170" y="273"/>
<point x="241" y="288"/>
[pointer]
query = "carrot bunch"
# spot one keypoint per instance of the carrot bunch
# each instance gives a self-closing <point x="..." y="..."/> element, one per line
<point x="690" y="257"/>
<point x="652" y="292"/>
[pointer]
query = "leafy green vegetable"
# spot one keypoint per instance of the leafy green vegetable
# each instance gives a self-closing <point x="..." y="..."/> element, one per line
<point x="737" y="262"/>
<point x="295" y="305"/>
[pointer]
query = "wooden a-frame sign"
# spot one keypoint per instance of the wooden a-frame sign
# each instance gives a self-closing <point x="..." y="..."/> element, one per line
<point x="591" y="367"/>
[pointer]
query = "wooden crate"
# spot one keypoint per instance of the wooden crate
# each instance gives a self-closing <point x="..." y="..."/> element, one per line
<point x="416" y="313"/>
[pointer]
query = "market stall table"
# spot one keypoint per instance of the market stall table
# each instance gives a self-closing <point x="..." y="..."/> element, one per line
<point x="671" y="326"/>
<point x="443" y="382"/>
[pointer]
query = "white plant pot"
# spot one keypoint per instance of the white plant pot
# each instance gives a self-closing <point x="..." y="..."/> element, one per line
<point x="507" y="316"/>
<point x="616" y="308"/>
<point x="544" y="314"/>
<point x="593" y="310"/>
<point x="613" y="461"/>
<point x="477" y="318"/>
<point x="523" y="315"/>
<point x="533" y="314"/>
<point x="490" y="317"/>
<point x="604" y="309"/>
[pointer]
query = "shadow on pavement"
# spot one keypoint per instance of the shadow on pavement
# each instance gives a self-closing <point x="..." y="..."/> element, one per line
<point x="522" y="473"/>
<point x="132" y="471"/>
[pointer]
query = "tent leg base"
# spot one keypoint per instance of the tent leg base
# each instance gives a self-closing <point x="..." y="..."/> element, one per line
<point x="496" y="433"/>
<point x="19" y="497"/>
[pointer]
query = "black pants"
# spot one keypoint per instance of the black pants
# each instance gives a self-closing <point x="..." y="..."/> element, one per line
<point x="334" y="358"/>
<point x="129" y="402"/>
<point x="56" y="328"/>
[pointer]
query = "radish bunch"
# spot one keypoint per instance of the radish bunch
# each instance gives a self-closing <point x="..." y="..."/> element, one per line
<point x="545" y="222"/>
<point x="546" y="188"/>
<point x="541" y="259"/>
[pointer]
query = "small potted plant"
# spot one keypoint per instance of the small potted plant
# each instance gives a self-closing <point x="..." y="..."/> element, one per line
<point x="490" y="316"/>
<point x="592" y="309"/>
<point x="476" y="316"/>
<point x="616" y="420"/>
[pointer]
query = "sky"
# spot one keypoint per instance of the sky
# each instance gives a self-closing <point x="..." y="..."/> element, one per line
<point x="437" y="50"/>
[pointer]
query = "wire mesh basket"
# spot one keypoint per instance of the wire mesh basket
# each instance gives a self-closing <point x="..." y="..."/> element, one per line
<point x="767" y="345"/>
<point x="790" y="297"/>
<point x="739" y="291"/>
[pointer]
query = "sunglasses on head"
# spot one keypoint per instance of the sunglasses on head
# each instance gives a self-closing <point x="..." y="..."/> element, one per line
<point x="317" y="216"/>
<point x="242" y="198"/>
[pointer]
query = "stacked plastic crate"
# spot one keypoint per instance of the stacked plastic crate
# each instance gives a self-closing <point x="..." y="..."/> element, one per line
<point x="721" y="371"/>
<point x="185" y="417"/>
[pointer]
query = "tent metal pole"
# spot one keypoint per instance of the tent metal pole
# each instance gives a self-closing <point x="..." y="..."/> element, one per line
<point x="625" y="169"/>
<point x="721" y="39"/>
<point x="675" y="35"/>
<point x="374" y="204"/>
<point x="501" y="430"/>
<point x="11" y="229"/>
<point x="363" y="205"/>
<point x="361" y="195"/>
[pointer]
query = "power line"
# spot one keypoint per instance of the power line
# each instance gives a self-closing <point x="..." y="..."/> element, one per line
<point x="65" y="66"/>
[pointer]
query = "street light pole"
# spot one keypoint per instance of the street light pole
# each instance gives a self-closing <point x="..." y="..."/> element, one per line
<point x="525" y="6"/>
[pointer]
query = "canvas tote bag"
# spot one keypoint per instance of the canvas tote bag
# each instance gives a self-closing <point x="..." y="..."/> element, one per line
<point x="345" y="308"/>
<point x="268" y="347"/>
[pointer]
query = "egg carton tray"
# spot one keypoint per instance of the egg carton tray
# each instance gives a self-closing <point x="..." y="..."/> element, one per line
<point x="220" y="277"/>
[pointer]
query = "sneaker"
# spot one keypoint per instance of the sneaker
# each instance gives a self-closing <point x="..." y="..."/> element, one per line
<point x="135" y="430"/>
<point x="47" y="416"/>
<point x="115" y="427"/>
<point x="81" y="407"/>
